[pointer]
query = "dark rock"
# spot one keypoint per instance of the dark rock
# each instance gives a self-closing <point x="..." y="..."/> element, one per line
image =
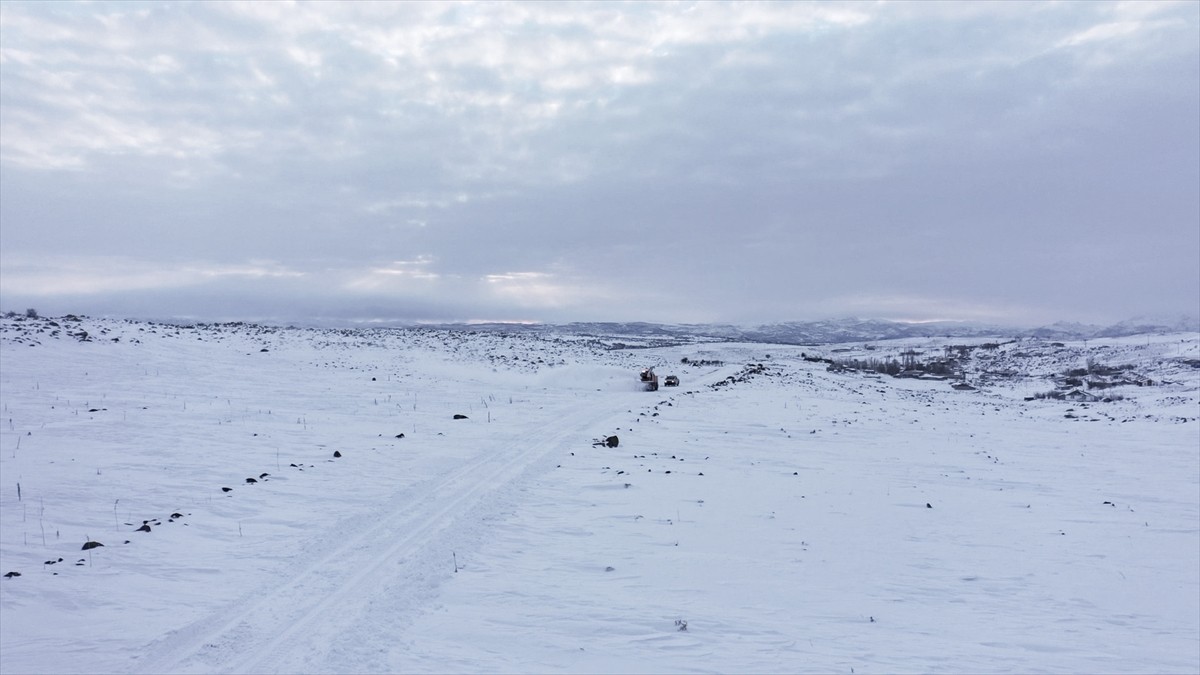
<point x="460" y="417"/>
<point x="337" y="453"/>
<point x="11" y="575"/>
<point x="91" y="545"/>
<point x="251" y="481"/>
<point x="226" y="489"/>
<point x="143" y="528"/>
<point x="612" y="441"/>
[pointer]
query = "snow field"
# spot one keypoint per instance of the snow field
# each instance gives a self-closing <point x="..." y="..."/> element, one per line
<point x="817" y="552"/>
<point x="841" y="522"/>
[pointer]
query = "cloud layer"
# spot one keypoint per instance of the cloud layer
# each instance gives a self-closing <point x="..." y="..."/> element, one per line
<point x="557" y="161"/>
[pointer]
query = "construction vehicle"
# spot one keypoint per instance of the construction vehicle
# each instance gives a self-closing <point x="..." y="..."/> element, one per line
<point x="649" y="379"/>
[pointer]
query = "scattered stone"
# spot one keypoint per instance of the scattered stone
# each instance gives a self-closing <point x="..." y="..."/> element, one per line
<point x="460" y="417"/>
<point x="337" y="453"/>
<point x="612" y="441"/>
<point x="251" y="481"/>
<point x="12" y="574"/>
<point x="226" y="489"/>
<point x="143" y="528"/>
<point x="91" y="545"/>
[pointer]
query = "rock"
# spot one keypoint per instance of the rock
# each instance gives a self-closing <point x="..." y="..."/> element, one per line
<point x="91" y="545"/>
<point x="12" y="574"/>
<point x="612" y="441"/>
<point x="460" y="417"/>
<point x="337" y="453"/>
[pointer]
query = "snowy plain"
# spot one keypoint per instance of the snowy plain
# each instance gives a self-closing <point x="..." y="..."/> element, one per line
<point x="768" y="515"/>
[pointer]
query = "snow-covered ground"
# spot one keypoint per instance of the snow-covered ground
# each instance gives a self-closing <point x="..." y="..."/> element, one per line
<point x="766" y="516"/>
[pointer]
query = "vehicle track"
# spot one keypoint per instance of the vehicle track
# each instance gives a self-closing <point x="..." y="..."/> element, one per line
<point x="297" y="623"/>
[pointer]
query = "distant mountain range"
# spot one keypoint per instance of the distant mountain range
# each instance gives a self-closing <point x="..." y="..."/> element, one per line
<point x="829" y="331"/>
<point x="849" y="330"/>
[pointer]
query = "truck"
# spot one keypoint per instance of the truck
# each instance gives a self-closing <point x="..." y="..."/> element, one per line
<point x="649" y="379"/>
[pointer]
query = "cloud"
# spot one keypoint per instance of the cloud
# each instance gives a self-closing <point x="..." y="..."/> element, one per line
<point x="49" y="276"/>
<point x="678" y="161"/>
<point x="400" y="275"/>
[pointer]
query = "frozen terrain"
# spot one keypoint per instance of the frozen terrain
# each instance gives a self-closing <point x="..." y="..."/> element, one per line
<point x="775" y="513"/>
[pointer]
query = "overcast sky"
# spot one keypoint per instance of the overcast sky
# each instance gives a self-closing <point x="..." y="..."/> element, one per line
<point x="694" y="162"/>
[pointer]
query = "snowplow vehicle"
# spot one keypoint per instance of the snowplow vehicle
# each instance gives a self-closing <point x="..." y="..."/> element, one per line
<point x="649" y="379"/>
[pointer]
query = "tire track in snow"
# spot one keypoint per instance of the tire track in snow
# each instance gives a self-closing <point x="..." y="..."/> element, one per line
<point x="293" y="625"/>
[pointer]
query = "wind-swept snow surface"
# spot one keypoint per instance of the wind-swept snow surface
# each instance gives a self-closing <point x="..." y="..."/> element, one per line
<point x="768" y="515"/>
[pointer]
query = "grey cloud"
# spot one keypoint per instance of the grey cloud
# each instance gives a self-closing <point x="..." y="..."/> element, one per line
<point x="716" y="160"/>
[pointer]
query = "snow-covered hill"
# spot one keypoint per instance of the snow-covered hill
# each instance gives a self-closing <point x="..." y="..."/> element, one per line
<point x="835" y="331"/>
<point x="278" y="499"/>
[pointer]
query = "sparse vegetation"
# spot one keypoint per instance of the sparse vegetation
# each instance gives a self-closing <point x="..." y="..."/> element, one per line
<point x="909" y="366"/>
